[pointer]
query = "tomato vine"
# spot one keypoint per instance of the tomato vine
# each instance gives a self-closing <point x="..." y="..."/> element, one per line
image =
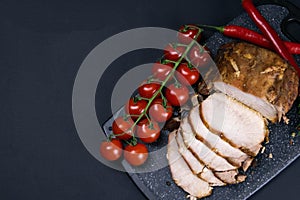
<point x="166" y="88"/>
<point x="163" y="83"/>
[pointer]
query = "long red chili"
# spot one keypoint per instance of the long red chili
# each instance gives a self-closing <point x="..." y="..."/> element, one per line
<point x="251" y="36"/>
<point x="293" y="48"/>
<point x="269" y="32"/>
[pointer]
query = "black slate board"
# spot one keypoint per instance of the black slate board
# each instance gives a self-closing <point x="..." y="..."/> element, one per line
<point x="283" y="147"/>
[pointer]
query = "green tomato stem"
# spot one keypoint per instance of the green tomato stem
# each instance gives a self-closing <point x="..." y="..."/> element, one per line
<point x="176" y="64"/>
<point x="165" y="82"/>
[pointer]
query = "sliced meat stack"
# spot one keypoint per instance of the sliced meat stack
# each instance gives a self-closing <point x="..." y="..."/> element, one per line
<point x="220" y="137"/>
<point x="182" y="174"/>
<point x="197" y="167"/>
<point x="242" y="127"/>
<point x="205" y="149"/>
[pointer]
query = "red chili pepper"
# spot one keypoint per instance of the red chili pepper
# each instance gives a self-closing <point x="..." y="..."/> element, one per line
<point x="293" y="48"/>
<point x="252" y="37"/>
<point x="269" y="32"/>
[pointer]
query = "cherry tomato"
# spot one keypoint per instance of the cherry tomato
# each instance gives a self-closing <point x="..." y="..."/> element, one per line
<point x="135" y="107"/>
<point x="177" y="95"/>
<point x="148" y="132"/>
<point x="161" y="71"/>
<point x="122" y="128"/>
<point x="111" y="150"/>
<point x="172" y="52"/>
<point x="147" y="90"/>
<point x="136" y="155"/>
<point x="186" y="75"/>
<point x="199" y="57"/>
<point x="160" y="112"/>
<point x="187" y="33"/>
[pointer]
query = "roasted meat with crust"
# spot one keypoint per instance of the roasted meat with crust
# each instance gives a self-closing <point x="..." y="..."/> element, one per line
<point x="222" y="135"/>
<point x="257" y="77"/>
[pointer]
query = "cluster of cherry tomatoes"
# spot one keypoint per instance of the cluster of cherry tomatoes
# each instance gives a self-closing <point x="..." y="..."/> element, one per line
<point x="153" y="106"/>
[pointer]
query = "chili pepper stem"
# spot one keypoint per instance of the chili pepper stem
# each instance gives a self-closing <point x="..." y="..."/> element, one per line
<point x="217" y="28"/>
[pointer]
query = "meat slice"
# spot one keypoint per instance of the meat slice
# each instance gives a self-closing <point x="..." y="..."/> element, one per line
<point x="257" y="77"/>
<point x="197" y="167"/>
<point x="181" y="173"/>
<point x="239" y="125"/>
<point x="211" y="178"/>
<point x="206" y="156"/>
<point x="188" y="156"/>
<point x="230" y="177"/>
<point x="202" y="152"/>
<point x="214" y="142"/>
<point x="265" y="108"/>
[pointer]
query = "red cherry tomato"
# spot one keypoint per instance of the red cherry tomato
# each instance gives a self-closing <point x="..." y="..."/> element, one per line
<point x="186" y="75"/>
<point x="147" y="90"/>
<point x="111" y="150"/>
<point x="122" y="128"/>
<point x="148" y="132"/>
<point x="177" y="95"/>
<point x="173" y="53"/>
<point x="136" y="155"/>
<point x="160" y="112"/>
<point x="135" y="107"/>
<point x="187" y="33"/>
<point x="199" y="57"/>
<point x="161" y="71"/>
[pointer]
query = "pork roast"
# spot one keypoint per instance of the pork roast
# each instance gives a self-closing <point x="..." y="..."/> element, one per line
<point x="197" y="167"/>
<point x="234" y="122"/>
<point x="225" y="132"/>
<point x="214" y="142"/>
<point x="202" y="152"/>
<point x="257" y="77"/>
<point x="182" y="174"/>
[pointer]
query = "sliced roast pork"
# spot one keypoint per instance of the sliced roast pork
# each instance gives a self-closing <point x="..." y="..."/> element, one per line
<point x="225" y="132"/>
<point x="257" y="77"/>
<point x="182" y="174"/>
<point x="217" y="144"/>
<point x="197" y="167"/>
<point x="202" y="152"/>
<point x="221" y="168"/>
<point x="234" y="122"/>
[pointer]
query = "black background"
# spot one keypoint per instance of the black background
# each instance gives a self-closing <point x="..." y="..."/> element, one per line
<point x="42" y="44"/>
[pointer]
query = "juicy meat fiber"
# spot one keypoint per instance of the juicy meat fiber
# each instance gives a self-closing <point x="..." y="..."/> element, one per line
<point x="181" y="173"/>
<point x="233" y="121"/>
<point x="202" y="152"/>
<point x="220" y="146"/>
<point x="197" y="167"/>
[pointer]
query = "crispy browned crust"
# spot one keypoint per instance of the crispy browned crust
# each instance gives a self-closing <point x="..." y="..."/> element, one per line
<point x="260" y="72"/>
